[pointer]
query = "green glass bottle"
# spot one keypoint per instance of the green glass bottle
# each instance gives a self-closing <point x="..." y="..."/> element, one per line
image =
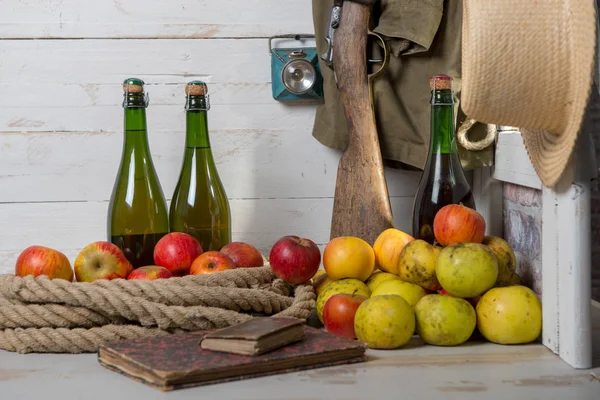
<point x="443" y="180"/>
<point x="137" y="212"/>
<point x="200" y="206"/>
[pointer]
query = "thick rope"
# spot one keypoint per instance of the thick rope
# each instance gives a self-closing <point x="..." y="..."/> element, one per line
<point x="51" y="316"/>
<point x="182" y="291"/>
<point x="62" y="340"/>
<point x="304" y="302"/>
<point x="119" y="303"/>
<point x="56" y="316"/>
<point x="146" y="313"/>
<point x="463" y="139"/>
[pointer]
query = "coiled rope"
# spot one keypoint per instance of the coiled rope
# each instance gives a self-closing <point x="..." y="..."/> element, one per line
<point x="41" y="315"/>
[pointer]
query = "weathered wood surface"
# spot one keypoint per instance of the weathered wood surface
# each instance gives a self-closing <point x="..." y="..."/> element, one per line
<point x="70" y="226"/>
<point x="523" y="231"/>
<point x="61" y="116"/>
<point x="512" y="163"/>
<point x="552" y="231"/>
<point x="134" y="18"/>
<point x="470" y="371"/>
<point x="58" y="166"/>
<point x="361" y="204"/>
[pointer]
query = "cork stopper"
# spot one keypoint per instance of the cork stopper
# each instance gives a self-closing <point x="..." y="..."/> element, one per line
<point x="440" y="81"/>
<point x="196" y="88"/>
<point x="133" y="85"/>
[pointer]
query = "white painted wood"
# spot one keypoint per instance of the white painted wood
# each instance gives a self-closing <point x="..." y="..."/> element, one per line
<point x="167" y="118"/>
<point x="550" y="271"/>
<point x="98" y="94"/>
<point x="419" y="372"/>
<point x="512" y="163"/>
<point x="157" y="61"/>
<point x="566" y="244"/>
<point x="61" y="125"/>
<point x="138" y="18"/>
<point x="568" y="264"/>
<point x="487" y="193"/>
<point x="253" y="163"/>
<point x="68" y="227"/>
<point x="264" y="149"/>
<point x="566" y="258"/>
<point x="251" y="132"/>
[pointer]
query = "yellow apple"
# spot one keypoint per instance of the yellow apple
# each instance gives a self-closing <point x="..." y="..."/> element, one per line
<point x="409" y="291"/>
<point x="510" y="315"/>
<point x="378" y="278"/>
<point x="384" y="322"/>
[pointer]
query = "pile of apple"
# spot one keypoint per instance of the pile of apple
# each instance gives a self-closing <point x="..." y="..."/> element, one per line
<point x="444" y="292"/>
<point x="294" y="260"/>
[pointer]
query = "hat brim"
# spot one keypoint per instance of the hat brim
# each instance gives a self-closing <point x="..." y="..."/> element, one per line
<point x="551" y="153"/>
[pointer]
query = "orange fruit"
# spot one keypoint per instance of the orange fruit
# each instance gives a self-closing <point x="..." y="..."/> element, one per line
<point x="348" y="257"/>
<point x="387" y="248"/>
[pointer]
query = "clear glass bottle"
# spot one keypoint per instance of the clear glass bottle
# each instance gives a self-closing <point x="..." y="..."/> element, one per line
<point x="443" y="180"/>
<point x="137" y="211"/>
<point x="200" y="206"/>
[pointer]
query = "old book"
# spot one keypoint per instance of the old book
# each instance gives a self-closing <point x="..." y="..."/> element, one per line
<point x="178" y="361"/>
<point x="255" y="336"/>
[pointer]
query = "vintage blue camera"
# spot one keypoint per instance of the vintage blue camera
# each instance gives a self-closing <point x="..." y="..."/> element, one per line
<point x="295" y="72"/>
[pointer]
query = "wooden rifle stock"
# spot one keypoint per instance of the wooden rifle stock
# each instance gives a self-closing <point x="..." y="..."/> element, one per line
<point x="361" y="205"/>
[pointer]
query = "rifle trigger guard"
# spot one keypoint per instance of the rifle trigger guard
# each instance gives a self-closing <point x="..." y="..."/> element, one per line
<point x="386" y="55"/>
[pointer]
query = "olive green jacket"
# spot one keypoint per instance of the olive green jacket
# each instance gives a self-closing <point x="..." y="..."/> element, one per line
<point x="424" y="37"/>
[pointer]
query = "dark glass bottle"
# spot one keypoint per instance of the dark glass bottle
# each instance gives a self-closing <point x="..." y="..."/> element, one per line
<point x="200" y="206"/>
<point x="443" y="180"/>
<point x="137" y="212"/>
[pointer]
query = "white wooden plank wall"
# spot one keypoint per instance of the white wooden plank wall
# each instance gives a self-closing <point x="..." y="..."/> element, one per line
<point x="61" y="117"/>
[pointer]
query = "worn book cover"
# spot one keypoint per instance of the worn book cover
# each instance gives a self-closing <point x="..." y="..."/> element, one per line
<point x="255" y="336"/>
<point x="178" y="361"/>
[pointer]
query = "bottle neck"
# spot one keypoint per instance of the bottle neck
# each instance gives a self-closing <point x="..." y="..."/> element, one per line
<point x="136" y="135"/>
<point x="442" y="123"/>
<point x="197" y="129"/>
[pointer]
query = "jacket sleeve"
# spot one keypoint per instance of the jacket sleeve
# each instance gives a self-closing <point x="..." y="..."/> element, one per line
<point x="409" y="25"/>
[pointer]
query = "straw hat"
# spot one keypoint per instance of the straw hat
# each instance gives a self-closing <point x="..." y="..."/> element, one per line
<point x="530" y="64"/>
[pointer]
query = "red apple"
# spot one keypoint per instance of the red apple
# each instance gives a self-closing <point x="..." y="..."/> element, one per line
<point x="244" y="255"/>
<point x="101" y="260"/>
<point x="211" y="261"/>
<point x="443" y="291"/>
<point x="176" y="251"/>
<point x="41" y="260"/>
<point x="455" y="223"/>
<point x="339" y="312"/>
<point x="149" y="273"/>
<point x="295" y="260"/>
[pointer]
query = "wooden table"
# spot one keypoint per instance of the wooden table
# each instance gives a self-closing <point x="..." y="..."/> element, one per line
<point x="470" y="371"/>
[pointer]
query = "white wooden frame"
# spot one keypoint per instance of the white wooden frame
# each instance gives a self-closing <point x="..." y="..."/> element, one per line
<point x="566" y="233"/>
<point x="566" y="237"/>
